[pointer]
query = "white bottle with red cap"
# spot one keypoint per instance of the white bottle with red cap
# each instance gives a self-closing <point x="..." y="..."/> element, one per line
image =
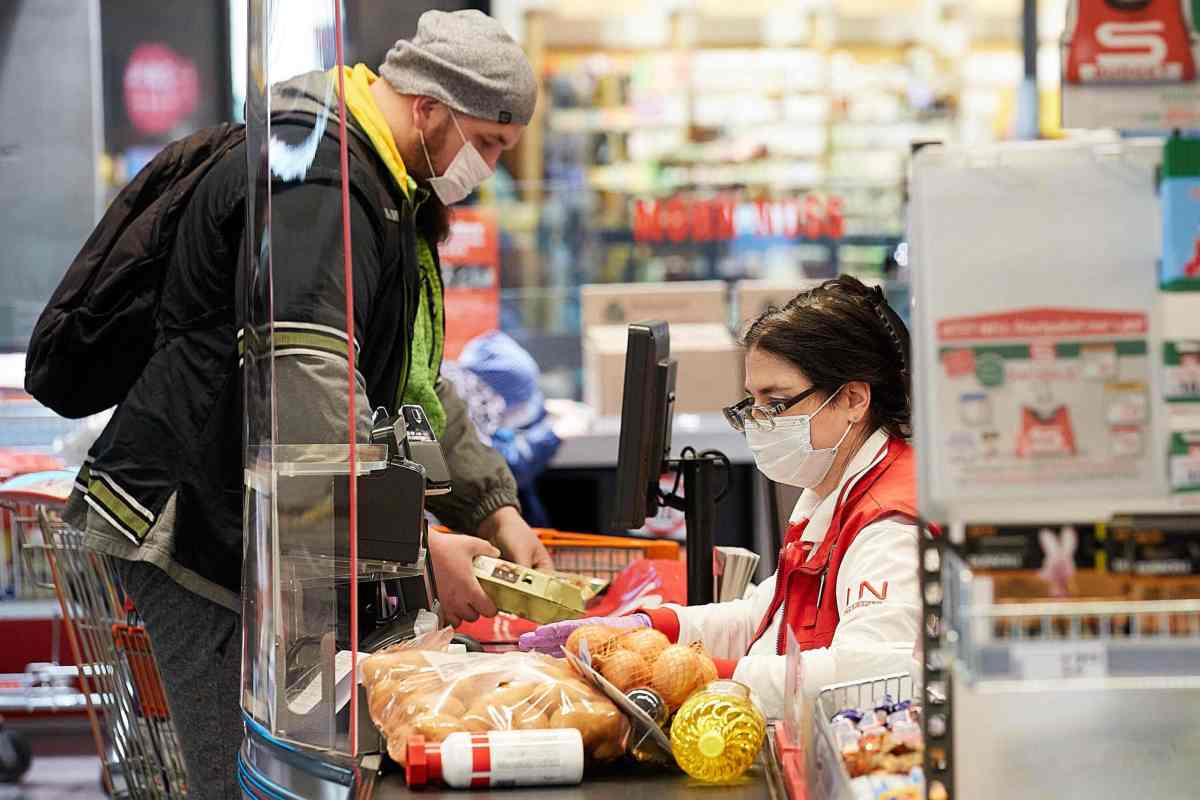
<point x="497" y="759"/>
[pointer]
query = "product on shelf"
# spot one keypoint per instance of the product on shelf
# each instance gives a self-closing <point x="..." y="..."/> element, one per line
<point x="418" y="689"/>
<point x="881" y="747"/>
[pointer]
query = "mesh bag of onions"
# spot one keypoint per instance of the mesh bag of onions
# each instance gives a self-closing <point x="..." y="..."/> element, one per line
<point x="645" y="657"/>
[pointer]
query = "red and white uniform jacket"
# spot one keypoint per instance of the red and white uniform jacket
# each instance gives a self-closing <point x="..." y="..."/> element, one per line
<point x="847" y="587"/>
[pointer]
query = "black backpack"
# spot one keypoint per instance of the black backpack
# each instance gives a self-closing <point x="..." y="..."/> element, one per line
<point x="96" y="334"/>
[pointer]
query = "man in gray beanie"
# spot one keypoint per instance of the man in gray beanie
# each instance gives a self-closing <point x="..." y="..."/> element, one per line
<point x="455" y="97"/>
<point x="419" y="139"/>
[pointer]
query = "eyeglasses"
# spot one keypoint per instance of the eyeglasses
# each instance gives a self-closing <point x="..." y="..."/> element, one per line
<point x="745" y="414"/>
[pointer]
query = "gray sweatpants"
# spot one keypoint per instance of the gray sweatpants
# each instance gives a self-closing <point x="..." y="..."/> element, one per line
<point x="198" y="646"/>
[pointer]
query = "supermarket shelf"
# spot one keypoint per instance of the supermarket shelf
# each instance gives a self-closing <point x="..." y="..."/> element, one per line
<point x="29" y="609"/>
<point x="1054" y="642"/>
<point x="35" y="701"/>
<point x="623" y="236"/>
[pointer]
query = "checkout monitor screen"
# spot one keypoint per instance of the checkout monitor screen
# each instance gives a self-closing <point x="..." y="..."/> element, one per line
<point x="647" y="408"/>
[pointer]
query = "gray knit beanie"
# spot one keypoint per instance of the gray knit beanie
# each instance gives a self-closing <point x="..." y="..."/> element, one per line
<point x="468" y="61"/>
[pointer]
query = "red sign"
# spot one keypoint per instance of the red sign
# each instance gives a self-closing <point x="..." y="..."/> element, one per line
<point x="1042" y="322"/>
<point x="959" y="363"/>
<point x="683" y="219"/>
<point x="471" y="274"/>
<point x="1109" y="41"/>
<point x="161" y="88"/>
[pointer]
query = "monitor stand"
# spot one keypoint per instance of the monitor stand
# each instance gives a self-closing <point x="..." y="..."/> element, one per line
<point x="699" y="506"/>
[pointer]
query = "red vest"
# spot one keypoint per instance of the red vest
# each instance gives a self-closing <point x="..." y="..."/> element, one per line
<point x="1110" y="44"/>
<point x="806" y="587"/>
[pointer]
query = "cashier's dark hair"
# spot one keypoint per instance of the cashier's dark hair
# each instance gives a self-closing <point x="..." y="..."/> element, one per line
<point x="839" y="332"/>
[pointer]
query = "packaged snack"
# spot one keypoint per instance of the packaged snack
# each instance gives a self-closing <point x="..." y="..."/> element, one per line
<point x="538" y="596"/>
<point x="588" y="586"/>
<point x="845" y="736"/>
<point x="419" y="689"/>
<point x="851" y="714"/>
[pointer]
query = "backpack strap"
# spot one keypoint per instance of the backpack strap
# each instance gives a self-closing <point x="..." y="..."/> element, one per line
<point x="360" y="148"/>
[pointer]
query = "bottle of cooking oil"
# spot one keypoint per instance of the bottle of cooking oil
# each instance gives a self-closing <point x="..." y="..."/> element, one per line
<point x="718" y="732"/>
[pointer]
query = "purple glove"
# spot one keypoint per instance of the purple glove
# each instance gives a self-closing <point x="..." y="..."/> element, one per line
<point x="549" y="639"/>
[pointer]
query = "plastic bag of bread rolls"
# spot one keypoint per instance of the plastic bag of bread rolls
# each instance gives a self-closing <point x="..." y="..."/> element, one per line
<point x="417" y="688"/>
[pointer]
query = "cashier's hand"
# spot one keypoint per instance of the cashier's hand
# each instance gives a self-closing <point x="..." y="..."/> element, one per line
<point x="517" y="542"/>
<point x="458" y="589"/>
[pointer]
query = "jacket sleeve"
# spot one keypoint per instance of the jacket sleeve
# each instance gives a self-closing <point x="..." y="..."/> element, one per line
<point x="879" y="615"/>
<point x="309" y="329"/>
<point x="725" y="629"/>
<point x="482" y="481"/>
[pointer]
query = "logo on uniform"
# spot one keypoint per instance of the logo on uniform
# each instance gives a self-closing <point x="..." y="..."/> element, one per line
<point x="877" y="595"/>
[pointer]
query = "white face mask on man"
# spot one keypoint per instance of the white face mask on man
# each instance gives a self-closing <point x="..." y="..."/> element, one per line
<point x="785" y="453"/>
<point x="465" y="173"/>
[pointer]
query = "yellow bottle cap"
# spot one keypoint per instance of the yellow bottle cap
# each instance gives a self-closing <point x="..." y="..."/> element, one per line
<point x="711" y="744"/>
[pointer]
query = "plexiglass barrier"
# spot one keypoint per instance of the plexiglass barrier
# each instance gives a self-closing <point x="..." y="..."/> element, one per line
<point x="307" y="595"/>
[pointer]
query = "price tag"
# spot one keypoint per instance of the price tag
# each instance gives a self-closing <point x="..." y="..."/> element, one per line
<point x="1049" y="661"/>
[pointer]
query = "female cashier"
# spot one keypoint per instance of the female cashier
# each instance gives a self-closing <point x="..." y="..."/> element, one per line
<point x="828" y="411"/>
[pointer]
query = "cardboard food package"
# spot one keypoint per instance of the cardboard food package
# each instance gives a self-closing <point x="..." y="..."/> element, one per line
<point x="710" y="374"/>
<point x="672" y="302"/>
<point x="528" y="593"/>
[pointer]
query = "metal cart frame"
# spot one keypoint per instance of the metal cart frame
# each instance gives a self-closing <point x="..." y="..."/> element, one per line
<point x="135" y="738"/>
<point x="827" y="776"/>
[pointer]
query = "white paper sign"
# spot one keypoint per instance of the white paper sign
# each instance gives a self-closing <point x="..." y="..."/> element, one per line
<point x="1053" y="661"/>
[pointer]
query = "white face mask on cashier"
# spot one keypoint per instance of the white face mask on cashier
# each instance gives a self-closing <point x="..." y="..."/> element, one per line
<point x="785" y="453"/>
<point x="465" y="173"/>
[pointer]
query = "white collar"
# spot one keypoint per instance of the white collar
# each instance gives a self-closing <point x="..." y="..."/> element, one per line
<point x="819" y="511"/>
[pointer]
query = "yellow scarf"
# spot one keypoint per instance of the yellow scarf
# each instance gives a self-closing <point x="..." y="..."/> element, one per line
<point x="361" y="103"/>
<point x="426" y="348"/>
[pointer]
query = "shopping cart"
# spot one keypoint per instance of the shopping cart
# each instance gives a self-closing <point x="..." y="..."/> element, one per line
<point x="135" y="738"/>
<point x="24" y="572"/>
<point x="602" y="556"/>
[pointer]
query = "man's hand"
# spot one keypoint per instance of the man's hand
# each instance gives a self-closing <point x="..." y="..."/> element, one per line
<point x="458" y="589"/>
<point x="517" y="542"/>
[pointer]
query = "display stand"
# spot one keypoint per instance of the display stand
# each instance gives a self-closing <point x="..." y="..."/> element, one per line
<point x="1036" y="335"/>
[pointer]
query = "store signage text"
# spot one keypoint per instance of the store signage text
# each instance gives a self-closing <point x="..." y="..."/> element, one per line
<point x="1109" y="43"/>
<point x="681" y="219"/>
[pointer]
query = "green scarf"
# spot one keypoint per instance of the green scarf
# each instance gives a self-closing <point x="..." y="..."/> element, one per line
<point x="425" y="351"/>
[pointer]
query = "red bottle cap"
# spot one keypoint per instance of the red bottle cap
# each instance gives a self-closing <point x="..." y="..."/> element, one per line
<point x="416" y="770"/>
<point x="423" y="761"/>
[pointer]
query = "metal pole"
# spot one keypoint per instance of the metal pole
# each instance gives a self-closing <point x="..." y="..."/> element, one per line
<point x="1028" y="122"/>
<point x="700" y="515"/>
